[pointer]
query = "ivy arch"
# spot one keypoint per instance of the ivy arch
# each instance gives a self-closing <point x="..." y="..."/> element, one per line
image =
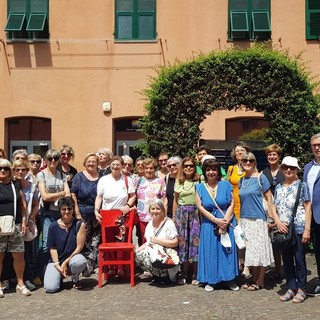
<point x="181" y="96"/>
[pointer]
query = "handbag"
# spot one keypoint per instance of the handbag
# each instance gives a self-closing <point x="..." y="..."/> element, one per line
<point x="264" y="200"/>
<point x="287" y="240"/>
<point x="162" y="257"/>
<point x="30" y="235"/>
<point x="7" y="222"/>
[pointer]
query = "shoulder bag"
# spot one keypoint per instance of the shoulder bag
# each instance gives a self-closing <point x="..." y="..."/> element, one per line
<point x="287" y="240"/>
<point x="7" y="222"/>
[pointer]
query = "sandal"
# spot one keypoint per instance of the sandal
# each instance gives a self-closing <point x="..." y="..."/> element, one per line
<point x="195" y="282"/>
<point x="247" y="285"/>
<point x="1" y="293"/>
<point x="77" y="285"/>
<point x="289" y="295"/>
<point x="254" y="287"/>
<point x="299" y="297"/>
<point x="24" y="290"/>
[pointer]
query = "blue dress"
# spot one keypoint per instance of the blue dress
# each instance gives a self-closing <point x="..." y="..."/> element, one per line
<point x="216" y="263"/>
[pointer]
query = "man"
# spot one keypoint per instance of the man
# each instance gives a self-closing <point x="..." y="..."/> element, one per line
<point x="312" y="177"/>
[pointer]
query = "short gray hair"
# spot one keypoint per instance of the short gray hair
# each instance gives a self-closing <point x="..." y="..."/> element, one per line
<point x="315" y="136"/>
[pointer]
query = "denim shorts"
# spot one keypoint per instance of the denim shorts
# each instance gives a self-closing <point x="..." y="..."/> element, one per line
<point x="13" y="243"/>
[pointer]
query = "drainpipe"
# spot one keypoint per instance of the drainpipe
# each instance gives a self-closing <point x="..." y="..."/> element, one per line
<point x="5" y="52"/>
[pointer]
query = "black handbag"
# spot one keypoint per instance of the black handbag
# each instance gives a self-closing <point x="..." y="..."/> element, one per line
<point x="287" y="240"/>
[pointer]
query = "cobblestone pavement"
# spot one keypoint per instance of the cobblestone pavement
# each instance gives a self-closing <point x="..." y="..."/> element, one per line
<point x="118" y="300"/>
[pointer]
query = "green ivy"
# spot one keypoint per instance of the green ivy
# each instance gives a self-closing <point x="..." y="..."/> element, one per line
<point x="182" y="95"/>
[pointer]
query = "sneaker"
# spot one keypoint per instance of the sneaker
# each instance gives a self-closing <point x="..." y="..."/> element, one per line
<point x="147" y="275"/>
<point x="30" y="285"/>
<point x="233" y="286"/>
<point x="5" y="285"/>
<point x="313" y="293"/>
<point x="1" y="293"/>
<point x="208" y="288"/>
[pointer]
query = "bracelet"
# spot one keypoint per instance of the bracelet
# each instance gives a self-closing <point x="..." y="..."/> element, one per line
<point x="127" y="204"/>
<point x="56" y="263"/>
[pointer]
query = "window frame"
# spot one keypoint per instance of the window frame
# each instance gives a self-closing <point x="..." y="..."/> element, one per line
<point x="309" y="35"/>
<point x="252" y="33"/>
<point x="135" y="14"/>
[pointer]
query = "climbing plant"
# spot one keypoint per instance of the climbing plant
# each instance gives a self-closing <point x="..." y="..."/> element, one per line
<point x="182" y="95"/>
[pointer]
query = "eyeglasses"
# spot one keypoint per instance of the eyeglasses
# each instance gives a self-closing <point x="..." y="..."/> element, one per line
<point x="172" y="165"/>
<point x="35" y="161"/>
<point x="20" y="169"/>
<point x="7" y="169"/>
<point x="69" y="154"/>
<point x="188" y="166"/>
<point x="163" y="160"/>
<point x="288" y="167"/>
<point x="52" y="158"/>
<point x="315" y="145"/>
<point x="19" y="158"/>
<point x="251" y="161"/>
<point x="127" y="164"/>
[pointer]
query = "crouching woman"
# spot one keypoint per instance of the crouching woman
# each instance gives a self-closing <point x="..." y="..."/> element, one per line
<point x="161" y="231"/>
<point x="66" y="239"/>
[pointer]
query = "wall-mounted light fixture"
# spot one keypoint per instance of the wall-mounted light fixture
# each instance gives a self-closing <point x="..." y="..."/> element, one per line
<point x="106" y="106"/>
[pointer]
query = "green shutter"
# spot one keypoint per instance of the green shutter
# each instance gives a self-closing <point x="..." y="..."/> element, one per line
<point x="15" y="22"/>
<point x="261" y="5"/>
<point x="238" y="4"/>
<point x="261" y="21"/>
<point x="239" y="21"/>
<point x="312" y="19"/>
<point x="36" y="22"/>
<point x="146" y="26"/>
<point x="17" y="6"/>
<point x="39" y="6"/>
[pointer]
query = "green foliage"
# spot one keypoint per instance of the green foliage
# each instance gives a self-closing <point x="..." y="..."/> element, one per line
<point x="268" y="81"/>
<point x="255" y="134"/>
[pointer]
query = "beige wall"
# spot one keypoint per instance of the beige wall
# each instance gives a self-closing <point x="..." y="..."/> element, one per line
<point x="68" y="78"/>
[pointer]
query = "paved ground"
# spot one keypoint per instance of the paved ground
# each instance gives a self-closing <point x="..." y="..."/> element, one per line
<point x="118" y="300"/>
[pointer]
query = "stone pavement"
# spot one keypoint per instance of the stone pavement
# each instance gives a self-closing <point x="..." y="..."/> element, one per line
<point x="118" y="300"/>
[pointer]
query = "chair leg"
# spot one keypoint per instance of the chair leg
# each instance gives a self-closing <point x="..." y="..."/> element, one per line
<point x="132" y="269"/>
<point x="100" y="276"/>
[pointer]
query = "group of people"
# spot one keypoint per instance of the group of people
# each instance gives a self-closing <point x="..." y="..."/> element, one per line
<point x="192" y="205"/>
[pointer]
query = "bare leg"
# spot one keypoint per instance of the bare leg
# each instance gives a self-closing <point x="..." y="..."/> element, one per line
<point x="261" y="274"/>
<point x="18" y="265"/>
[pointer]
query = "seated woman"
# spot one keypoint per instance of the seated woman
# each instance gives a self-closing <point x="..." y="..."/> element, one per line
<point x="160" y="230"/>
<point x="215" y="202"/>
<point x="66" y="238"/>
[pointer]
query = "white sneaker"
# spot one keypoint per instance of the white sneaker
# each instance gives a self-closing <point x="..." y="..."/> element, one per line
<point x="232" y="286"/>
<point x="5" y="285"/>
<point x="208" y="288"/>
<point x="147" y="275"/>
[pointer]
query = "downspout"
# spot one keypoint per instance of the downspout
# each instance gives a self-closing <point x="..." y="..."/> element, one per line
<point x="5" y="52"/>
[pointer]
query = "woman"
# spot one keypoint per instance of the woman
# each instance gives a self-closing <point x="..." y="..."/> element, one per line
<point x="35" y="161"/>
<point x="275" y="176"/>
<point x="20" y="170"/>
<point x="84" y="192"/>
<point x="216" y="263"/>
<point x="66" y="238"/>
<point x="253" y="220"/>
<point x="114" y="191"/>
<point x="162" y="162"/>
<point x="186" y="218"/>
<point x="67" y="154"/>
<point x="170" y="179"/>
<point x="148" y="189"/>
<point x="293" y="258"/>
<point x="105" y="155"/>
<point x="160" y="230"/>
<point x="52" y="185"/>
<point x="12" y="203"/>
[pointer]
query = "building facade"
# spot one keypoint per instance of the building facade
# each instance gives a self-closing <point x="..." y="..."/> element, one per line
<point x="74" y="71"/>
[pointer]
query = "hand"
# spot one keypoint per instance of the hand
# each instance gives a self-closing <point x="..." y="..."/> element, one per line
<point x="98" y="216"/>
<point x="221" y="223"/>
<point x="306" y="236"/>
<point x="282" y="227"/>
<point x="125" y="209"/>
<point x="23" y="227"/>
<point x="64" y="269"/>
<point x="154" y="240"/>
<point x="31" y="225"/>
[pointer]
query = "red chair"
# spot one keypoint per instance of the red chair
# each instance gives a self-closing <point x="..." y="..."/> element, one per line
<point x="115" y="253"/>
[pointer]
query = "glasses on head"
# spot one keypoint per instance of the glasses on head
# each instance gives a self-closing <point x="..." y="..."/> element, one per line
<point x="315" y="145"/>
<point x="35" y="161"/>
<point x="251" y="161"/>
<point x="66" y="154"/>
<point x="188" y="166"/>
<point x="284" y="167"/>
<point x="6" y="169"/>
<point x="172" y="165"/>
<point x="20" y="169"/>
<point x="50" y="159"/>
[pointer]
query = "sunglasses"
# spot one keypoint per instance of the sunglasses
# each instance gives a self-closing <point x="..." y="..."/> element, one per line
<point x="7" y="169"/>
<point x="69" y="154"/>
<point x="172" y="165"/>
<point x="288" y="167"/>
<point x="35" y="161"/>
<point x="248" y="160"/>
<point x="20" y="170"/>
<point x="188" y="166"/>
<point x="52" y="158"/>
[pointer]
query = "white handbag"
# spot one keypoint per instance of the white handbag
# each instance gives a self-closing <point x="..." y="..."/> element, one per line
<point x="7" y="223"/>
<point x="239" y="237"/>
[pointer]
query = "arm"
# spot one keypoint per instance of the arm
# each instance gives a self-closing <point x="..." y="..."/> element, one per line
<point x="76" y="207"/>
<point x="23" y="204"/>
<point x="168" y="243"/>
<point x="81" y="237"/>
<point x="49" y="197"/>
<point x="97" y="206"/>
<point x="306" y="232"/>
<point x="175" y="206"/>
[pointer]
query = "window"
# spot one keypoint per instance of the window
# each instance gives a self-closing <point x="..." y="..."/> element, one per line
<point x="27" y="19"/>
<point x="135" y="19"/>
<point x="249" y="19"/>
<point x="312" y="19"/>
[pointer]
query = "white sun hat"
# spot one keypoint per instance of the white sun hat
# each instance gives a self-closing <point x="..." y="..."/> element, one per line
<point x="291" y="162"/>
<point x="207" y="157"/>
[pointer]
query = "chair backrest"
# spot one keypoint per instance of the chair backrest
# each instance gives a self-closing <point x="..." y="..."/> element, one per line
<point x="109" y="218"/>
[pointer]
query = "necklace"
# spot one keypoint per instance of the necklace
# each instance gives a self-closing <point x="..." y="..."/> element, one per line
<point x="65" y="225"/>
<point x="245" y="186"/>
